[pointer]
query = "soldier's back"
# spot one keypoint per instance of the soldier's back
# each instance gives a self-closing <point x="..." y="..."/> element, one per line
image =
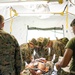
<point x="7" y="52"/>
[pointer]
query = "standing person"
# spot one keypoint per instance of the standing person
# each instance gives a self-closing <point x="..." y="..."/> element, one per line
<point x="69" y="53"/>
<point x="10" y="59"/>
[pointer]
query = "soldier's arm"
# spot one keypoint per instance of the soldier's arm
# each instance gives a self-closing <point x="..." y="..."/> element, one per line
<point x="66" y="58"/>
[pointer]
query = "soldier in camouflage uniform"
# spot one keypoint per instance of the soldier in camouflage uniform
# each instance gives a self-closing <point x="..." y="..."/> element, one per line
<point x="10" y="59"/>
<point x="69" y="54"/>
<point x="59" y="47"/>
<point x="47" y="48"/>
<point x="41" y="46"/>
<point x="26" y="54"/>
<point x="27" y="50"/>
<point x="34" y="49"/>
<point x="39" y="49"/>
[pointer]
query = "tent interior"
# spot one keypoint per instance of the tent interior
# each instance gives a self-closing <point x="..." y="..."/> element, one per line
<point x="27" y="19"/>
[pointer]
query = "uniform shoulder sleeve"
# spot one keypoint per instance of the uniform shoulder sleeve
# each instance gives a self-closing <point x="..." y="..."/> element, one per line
<point x="71" y="44"/>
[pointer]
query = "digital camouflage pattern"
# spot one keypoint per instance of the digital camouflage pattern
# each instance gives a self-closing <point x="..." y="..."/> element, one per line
<point x="41" y="49"/>
<point x="59" y="49"/>
<point x="34" y="42"/>
<point x="10" y="59"/>
<point x="26" y="53"/>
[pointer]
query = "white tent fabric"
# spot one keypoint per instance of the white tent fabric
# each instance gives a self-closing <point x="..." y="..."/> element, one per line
<point x="36" y="8"/>
<point x="19" y="26"/>
<point x="43" y="15"/>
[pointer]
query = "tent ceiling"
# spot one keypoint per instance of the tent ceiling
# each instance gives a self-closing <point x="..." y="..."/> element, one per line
<point x="21" y="8"/>
<point x="30" y="0"/>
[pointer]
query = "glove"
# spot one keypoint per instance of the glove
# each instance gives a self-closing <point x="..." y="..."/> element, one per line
<point x="54" y="72"/>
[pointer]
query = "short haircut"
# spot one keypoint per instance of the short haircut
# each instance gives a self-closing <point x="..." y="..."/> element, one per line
<point x="73" y="23"/>
<point x="1" y="19"/>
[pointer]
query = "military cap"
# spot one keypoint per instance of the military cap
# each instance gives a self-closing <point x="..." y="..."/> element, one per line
<point x="64" y="40"/>
<point x="45" y="41"/>
<point x="73" y="23"/>
<point x="33" y="41"/>
<point x="40" y="39"/>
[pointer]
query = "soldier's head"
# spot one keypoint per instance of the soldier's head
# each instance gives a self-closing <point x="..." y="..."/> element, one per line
<point x="34" y="41"/>
<point x="1" y="22"/>
<point x="64" y="40"/>
<point x="40" y="41"/>
<point x="45" y="41"/>
<point x="31" y="45"/>
<point x="73" y="25"/>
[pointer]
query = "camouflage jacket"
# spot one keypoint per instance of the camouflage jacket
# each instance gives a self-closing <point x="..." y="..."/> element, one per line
<point x="59" y="49"/>
<point x="10" y="60"/>
<point x="26" y="53"/>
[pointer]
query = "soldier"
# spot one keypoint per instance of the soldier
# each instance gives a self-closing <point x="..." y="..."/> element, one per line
<point x="49" y="46"/>
<point x="46" y="48"/>
<point x="59" y="47"/>
<point x="10" y="59"/>
<point x="34" y="50"/>
<point x="69" y="54"/>
<point x="40" y="47"/>
<point x="26" y="53"/>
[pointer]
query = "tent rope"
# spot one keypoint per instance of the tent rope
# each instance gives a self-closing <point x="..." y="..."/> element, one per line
<point x="11" y="20"/>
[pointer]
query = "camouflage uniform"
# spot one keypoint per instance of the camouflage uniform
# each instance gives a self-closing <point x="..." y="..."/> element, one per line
<point x="39" y="50"/>
<point x="26" y="53"/>
<point x="46" y="49"/>
<point x="59" y="49"/>
<point x="10" y="59"/>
